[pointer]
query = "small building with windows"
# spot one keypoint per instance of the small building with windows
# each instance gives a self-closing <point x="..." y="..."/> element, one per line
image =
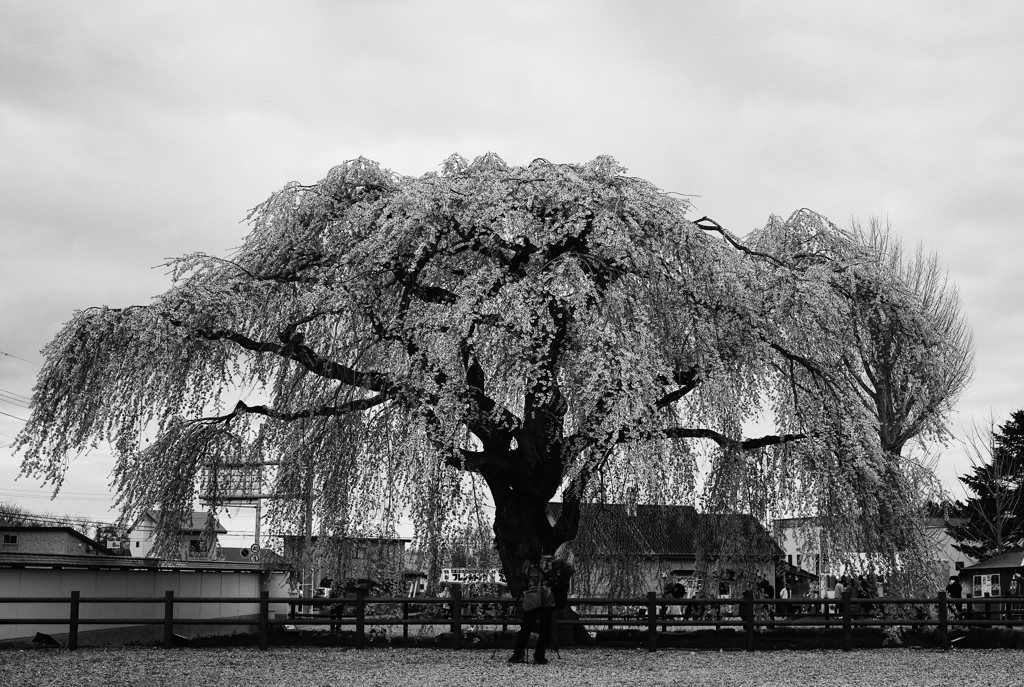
<point x="999" y="576"/>
<point x="63" y="541"/>
<point x="142" y="535"/>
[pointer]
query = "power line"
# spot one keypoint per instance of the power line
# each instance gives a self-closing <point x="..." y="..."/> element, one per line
<point x="11" y="355"/>
<point x="60" y="493"/>
<point x="36" y="497"/>
<point x="13" y="401"/>
<point x="15" y="393"/>
<point x="67" y="521"/>
<point x="14" y="416"/>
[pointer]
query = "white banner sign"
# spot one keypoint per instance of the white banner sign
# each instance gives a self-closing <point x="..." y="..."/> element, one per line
<point x="471" y="575"/>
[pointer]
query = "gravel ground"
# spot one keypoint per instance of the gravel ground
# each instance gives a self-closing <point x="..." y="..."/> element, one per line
<point x="316" y="667"/>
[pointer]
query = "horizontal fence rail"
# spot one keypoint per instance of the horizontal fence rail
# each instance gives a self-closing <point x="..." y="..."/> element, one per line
<point x="646" y="613"/>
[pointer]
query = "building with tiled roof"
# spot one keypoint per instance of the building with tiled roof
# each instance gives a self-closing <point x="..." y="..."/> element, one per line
<point x="621" y="549"/>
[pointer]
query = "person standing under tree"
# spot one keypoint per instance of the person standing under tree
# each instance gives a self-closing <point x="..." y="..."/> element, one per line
<point x="678" y="592"/>
<point x="538" y="605"/>
<point x="955" y="590"/>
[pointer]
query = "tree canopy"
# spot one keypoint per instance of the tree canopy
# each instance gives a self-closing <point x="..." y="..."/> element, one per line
<point x="398" y="344"/>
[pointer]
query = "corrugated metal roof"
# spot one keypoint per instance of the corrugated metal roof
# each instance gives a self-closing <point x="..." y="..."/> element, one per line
<point x="44" y="560"/>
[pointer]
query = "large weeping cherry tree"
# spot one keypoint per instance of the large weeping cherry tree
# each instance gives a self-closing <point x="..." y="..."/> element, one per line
<point x="505" y="336"/>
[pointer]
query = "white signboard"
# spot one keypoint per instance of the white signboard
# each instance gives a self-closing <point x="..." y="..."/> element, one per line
<point x="471" y="575"/>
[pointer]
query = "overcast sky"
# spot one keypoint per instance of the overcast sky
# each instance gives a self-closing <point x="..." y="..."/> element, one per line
<point x="131" y="132"/>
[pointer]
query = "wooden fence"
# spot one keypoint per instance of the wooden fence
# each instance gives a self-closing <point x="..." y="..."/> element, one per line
<point x="644" y="613"/>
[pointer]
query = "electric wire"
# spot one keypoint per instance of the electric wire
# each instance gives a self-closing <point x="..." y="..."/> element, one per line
<point x="15" y="398"/>
<point x="15" y="393"/>
<point x="11" y="355"/>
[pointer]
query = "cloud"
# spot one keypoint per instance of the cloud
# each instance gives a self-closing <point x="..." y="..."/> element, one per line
<point x="130" y="133"/>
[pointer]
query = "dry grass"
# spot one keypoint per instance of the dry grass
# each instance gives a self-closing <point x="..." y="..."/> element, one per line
<point x="315" y="667"/>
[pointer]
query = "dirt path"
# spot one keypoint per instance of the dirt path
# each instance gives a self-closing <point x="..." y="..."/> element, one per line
<point x="316" y="667"/>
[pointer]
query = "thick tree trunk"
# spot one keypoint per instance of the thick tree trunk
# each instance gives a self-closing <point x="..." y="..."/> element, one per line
<point x="521" y="530"/>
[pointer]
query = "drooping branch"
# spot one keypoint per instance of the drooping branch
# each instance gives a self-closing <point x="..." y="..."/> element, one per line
<point x="353" y="406"/>
<point x="294" y="349"/>
<point x="735" y="243"/>
<point x="687" y="379"/>
<point x="726" y="442"/>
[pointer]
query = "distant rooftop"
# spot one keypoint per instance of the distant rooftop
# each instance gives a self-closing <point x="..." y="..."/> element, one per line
<point x="667" y="531"/>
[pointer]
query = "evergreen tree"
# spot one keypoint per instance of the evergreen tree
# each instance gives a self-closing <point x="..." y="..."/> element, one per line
<point x="991" y="522"/>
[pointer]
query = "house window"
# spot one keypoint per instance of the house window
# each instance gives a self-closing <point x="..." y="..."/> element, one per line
<point x="136" y="544"/>
<point x="986" y="585"/>
<point x="358" y="552"/>
<point x="10" y="540"/>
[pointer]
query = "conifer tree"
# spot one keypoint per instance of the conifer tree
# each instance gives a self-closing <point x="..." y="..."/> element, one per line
<point x="990" y="521"/>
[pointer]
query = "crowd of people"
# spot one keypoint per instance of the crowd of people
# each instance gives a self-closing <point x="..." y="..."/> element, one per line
<point x="860" y="587"/>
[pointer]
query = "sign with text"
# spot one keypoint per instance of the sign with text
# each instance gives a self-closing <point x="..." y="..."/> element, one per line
<point x="472" y="575"/>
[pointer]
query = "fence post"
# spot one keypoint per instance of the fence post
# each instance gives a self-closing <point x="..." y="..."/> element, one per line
<point x="168" y="619"/>
<point x="457" y="614"/>
<point x="360" y="618"/>
<point x="943" y="621"/>
<point x="847" y="620"/>
<point x="73" y="622"/>
<point x="405" y="618"/>
<point x="264" y="618"/>
<point x="652" y="623"/>
<point x="748" y="617"/>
